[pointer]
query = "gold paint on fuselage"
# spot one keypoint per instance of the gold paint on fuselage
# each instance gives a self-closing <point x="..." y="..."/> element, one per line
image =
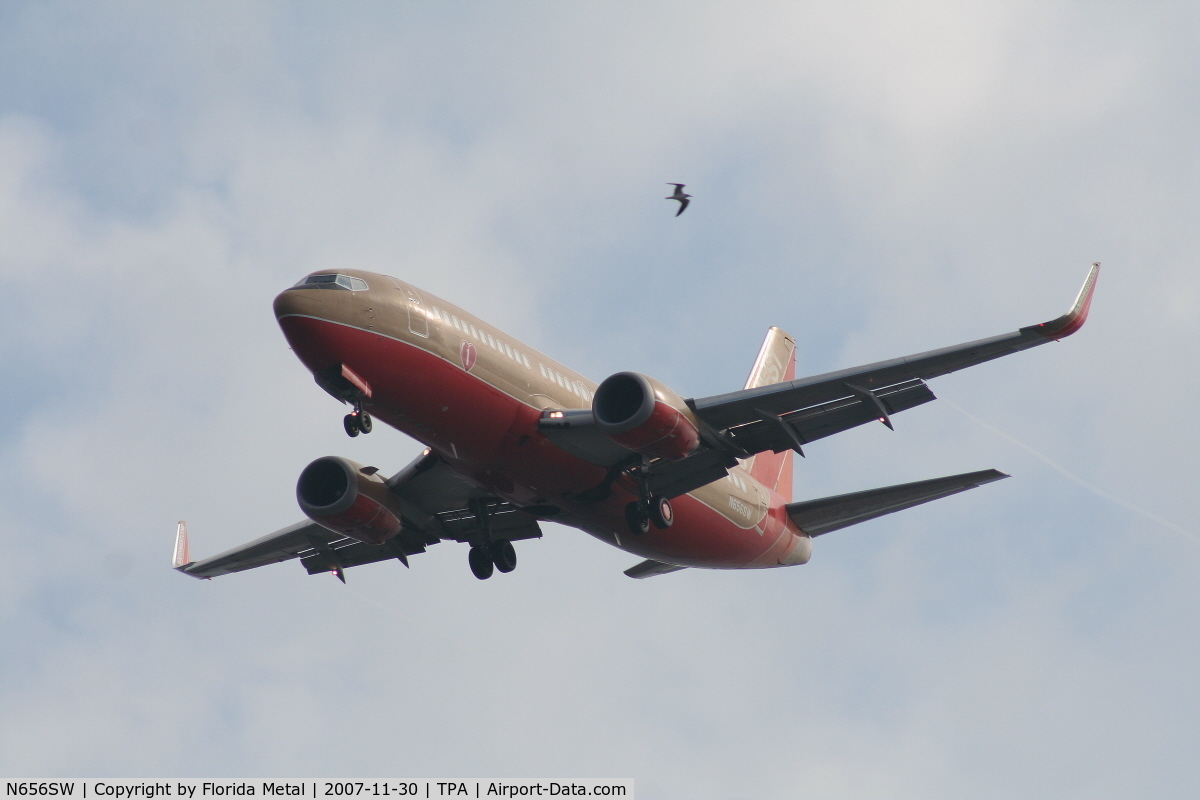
<point x="397" y="310"/>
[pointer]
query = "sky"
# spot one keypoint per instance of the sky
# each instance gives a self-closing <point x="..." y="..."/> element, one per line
<point x="877" y="179"/>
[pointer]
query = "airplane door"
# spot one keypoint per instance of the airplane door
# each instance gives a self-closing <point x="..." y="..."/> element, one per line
<point x="418" y="323"/>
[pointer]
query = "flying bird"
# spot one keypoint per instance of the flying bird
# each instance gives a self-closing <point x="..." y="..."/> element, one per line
<point x="680" y="196"/>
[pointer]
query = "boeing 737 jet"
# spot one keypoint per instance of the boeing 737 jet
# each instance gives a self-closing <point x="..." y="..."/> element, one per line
<point x="514" y="438"/>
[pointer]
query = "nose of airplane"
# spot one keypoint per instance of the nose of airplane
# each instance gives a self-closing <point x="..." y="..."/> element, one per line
<point x="299" y="302"/>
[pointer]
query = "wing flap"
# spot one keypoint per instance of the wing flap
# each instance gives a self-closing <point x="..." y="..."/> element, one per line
<point x="504" y="522"/>
<point x="826" y="419"/>
<point x="351" y="553"/>
<point x="816" y="517"/>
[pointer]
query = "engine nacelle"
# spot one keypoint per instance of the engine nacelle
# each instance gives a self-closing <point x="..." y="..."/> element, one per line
<point x="643" y="415"/>
<point x="349" y="499"/>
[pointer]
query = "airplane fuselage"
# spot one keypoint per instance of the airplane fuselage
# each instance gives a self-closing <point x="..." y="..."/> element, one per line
<point x="475" y="395"/>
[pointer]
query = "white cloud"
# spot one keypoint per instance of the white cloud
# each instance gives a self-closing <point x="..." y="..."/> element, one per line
<point x="877" y="179"/>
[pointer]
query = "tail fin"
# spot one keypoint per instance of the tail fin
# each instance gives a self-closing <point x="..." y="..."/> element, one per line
<point x="776" y="362"/>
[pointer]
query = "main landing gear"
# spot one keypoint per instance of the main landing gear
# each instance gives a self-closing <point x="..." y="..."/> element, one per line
<point x="356" y="422"/>
<point x="641" y="513"/>
<point x="488" y="553"/>
<point x="498" y="555"/>
<point x="648" y="509"/>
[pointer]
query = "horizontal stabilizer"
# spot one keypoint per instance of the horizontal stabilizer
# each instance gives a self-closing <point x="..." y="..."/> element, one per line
<point x="816" y="517"/>
<point x="648" y="569"/>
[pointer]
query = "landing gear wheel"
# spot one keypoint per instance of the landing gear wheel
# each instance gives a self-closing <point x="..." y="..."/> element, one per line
<point x="350" y="422"/>
<point x="504" y="556"/>
<point x="637" y="519"/>
<point x="364" y="422"/>
<point x="481" y="562"/>
<point x="661" y="513"/>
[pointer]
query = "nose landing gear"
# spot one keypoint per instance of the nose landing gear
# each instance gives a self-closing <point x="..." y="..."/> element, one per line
<point x="357" y="422"/>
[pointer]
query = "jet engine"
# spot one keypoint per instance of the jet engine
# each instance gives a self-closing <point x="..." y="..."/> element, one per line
<point x="643" y="415"/>
<point x="349" y="499"/>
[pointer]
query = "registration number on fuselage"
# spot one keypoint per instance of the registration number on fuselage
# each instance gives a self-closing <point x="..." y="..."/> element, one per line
<point x="741" y="507"/>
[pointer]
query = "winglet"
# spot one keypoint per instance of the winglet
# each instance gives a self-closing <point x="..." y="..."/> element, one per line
<point x="1073" y="320"/>
<point x="182" y="552"/>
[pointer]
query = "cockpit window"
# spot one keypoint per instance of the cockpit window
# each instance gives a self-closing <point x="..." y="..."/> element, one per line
<point x="333" y="281"/>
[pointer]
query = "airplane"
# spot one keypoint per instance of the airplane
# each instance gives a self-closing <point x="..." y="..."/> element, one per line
<point x="514" y="438"/>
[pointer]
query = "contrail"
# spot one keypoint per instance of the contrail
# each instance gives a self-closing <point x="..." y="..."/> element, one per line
<point x="1093" y="489"/>
<point x="395" y="614"/>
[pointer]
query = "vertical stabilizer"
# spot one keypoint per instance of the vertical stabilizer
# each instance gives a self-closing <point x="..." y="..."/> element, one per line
<point x="776" y="360"/>
<point x="776" y="363"/>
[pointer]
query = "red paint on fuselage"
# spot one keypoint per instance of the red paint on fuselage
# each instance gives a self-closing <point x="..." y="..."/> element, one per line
<point x="492" y="438"/>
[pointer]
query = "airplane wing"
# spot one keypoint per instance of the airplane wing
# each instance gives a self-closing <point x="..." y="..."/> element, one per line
<point x="789" y="415"/>
<point x="785" y="416"/>
<point x="437" y="505"/>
